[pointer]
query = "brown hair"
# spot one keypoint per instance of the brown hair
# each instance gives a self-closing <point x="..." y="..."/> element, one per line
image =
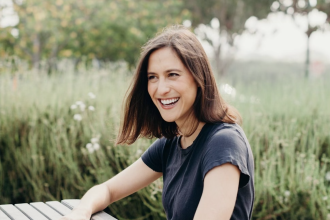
<point x="141" y="116"/>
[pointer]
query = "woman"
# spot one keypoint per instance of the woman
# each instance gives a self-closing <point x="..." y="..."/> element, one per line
<point x="203" y="155"/>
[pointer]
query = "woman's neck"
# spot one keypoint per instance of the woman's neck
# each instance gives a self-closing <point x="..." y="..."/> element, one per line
<point x="187" y="141"/>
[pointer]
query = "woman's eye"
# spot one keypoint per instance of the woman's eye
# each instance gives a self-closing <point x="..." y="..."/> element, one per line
<point x="173" y="74"/>
<point x="151" y="77"/>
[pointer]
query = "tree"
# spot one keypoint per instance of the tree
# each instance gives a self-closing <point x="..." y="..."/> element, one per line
<point x="232" y="15"/>
<point x="306" y="8"/>
<point x="104" y="30"/>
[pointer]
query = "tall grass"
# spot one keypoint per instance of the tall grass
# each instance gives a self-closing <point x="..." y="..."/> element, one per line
<point x="289" y="131"/>
<point x="43" y="154"/>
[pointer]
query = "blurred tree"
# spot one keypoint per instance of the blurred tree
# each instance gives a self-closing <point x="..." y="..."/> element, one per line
<point x="232" y="15"/>
<point x="296" y="8"/>
<point x="103" y="30"/>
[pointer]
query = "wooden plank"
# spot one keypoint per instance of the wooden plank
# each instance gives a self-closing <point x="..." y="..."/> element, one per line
<point x="60" y="208"/>
<point x="46" y="210"/>
<point x="13" y="213"/>
<point x="3" y="216"/>
<point x="30" y="212"/>
<point x="102" y="216"/>
<point x="71" y="203"/>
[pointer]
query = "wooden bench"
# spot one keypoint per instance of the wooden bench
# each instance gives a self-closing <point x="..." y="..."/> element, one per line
<point x="52" y="210"/>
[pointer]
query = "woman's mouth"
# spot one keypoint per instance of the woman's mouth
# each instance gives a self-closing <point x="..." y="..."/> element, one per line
<point x="168" y="102"/>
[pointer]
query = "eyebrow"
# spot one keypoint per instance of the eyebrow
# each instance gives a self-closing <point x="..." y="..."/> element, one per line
<point x="167" y="71"/>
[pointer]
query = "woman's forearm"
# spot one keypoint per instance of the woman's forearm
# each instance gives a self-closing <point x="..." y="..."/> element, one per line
<point x="95" y="199"/>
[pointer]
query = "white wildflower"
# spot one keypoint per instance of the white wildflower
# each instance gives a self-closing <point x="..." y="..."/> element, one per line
<point x="96" y="146"/>
<point x="73" y="106"/>
<point x="77" y="117"/>
<point x="186" y="23"/>
<point x="91" y="95"/>
<point x="287" y="193"/>
<point x="139" y="152"/>
<point x="325" y="198"/>
<point x="90" y="148"/>
<point x="82" y="107"/>
<point x="95" y="140"/>
<point x="328" y="216"/>
<point x="327" y="176"/>
<point x="91" y="108"/>
<point x="79" y="103"/>
<point x="280" y="198"/>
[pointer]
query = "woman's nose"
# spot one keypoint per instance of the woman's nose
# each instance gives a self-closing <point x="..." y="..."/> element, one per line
<point x="163" y="87"/>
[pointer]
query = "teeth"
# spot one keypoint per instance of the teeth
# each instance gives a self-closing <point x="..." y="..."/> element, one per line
<point x="168" y="101"/>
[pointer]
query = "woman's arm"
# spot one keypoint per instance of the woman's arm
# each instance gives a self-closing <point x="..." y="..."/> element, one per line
<point x="219" y="193"/>
<point x="130" y="180"/>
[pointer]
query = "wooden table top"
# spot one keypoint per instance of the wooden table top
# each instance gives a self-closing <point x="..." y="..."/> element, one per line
<point x="52" y="210"/>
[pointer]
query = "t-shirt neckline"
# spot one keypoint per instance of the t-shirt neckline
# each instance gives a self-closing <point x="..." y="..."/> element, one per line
<point x="189" y="149"/>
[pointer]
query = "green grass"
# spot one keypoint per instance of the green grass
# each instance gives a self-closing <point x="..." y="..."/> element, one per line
<point x="44" y="156"/>
<point x="289" y="131"/>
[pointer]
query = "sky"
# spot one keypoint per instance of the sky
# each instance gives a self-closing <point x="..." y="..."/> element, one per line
<point x="283" y="38"/>
<point x="279" y="37"/>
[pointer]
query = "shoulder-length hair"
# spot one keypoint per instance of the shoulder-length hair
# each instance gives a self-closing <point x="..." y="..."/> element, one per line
<point x="141" y="116"/>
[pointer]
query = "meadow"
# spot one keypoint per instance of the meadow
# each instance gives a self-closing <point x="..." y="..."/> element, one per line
<point x="57" y="137"/>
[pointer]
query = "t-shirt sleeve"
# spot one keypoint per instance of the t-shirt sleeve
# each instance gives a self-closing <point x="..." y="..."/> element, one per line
<point x="227" y="146"/>
<point x="152" y="157"/>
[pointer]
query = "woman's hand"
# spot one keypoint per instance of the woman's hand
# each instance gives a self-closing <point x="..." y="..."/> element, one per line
<point x="97" y="198"/>
<point x="79" y="213"/>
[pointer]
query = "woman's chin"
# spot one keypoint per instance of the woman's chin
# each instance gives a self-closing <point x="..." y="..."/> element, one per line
<point x="168" y="120"/>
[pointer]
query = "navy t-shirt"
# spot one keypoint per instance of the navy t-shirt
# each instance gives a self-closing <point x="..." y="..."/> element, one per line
<point x="184" y="169"/>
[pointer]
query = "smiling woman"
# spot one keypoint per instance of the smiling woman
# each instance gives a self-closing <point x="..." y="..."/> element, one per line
<point x="202" y="152"/>
<point x="180" y="54"/>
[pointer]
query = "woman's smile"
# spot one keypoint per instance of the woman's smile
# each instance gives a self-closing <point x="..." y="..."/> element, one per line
<point x="168" y="103"/>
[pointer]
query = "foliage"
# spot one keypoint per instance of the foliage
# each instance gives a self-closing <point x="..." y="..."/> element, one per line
<point x="232" y="16"/>
<point x="47" y="146"/>
<point x="304" y="7"/>
<point x="44" y="155"/>
<point x="105" y="30"/>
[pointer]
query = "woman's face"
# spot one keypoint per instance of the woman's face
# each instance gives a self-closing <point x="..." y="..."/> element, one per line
<point x="171" y="86"/>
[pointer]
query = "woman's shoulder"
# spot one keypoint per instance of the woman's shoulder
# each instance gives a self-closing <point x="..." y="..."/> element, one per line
<point x="227" y="135"/>
<point x="225" y="129"/>
<point x="227" y="143"/>
<point x="162" y="142"/>
<point x="159" y="142"/>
